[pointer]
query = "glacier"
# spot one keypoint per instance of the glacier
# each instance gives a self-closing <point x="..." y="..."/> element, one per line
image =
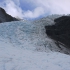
<point x="24" y="45"/>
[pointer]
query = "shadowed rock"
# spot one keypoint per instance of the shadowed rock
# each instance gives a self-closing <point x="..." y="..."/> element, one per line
<point x="4" y="17"/>
<point x="60" y="31"/>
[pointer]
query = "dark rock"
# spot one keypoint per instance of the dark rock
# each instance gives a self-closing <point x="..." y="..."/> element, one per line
<point x="61" y="18"/>
<point x="4" y="17"/>
<point x="60" y="31"/>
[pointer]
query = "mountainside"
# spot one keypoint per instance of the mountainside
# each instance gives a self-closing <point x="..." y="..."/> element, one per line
<point x="4" y="17"/>
<point x="60" y="31"/>
<point x="30" y="33"/>
<point x="24" y="45"/>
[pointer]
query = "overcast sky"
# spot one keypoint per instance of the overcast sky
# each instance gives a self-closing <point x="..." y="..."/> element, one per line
<point x="35" y="8"/>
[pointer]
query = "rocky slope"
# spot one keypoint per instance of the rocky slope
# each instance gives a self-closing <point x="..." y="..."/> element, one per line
<point x="46" y="25"/>
<point x="4" y="17"/>
<point x="60" y="31"/>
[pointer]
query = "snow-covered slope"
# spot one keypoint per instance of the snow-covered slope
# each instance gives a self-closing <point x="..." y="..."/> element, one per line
<point x="24" y="45"/>
<point x="15" y="58"/>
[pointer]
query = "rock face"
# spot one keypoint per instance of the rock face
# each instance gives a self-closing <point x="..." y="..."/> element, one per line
<point x="4" y="17"/>
<point x="60" y="31"/>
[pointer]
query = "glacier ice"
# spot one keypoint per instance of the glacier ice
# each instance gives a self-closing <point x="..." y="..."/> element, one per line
<point x="20" y="43"/>
<point x="30" y="34"/>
